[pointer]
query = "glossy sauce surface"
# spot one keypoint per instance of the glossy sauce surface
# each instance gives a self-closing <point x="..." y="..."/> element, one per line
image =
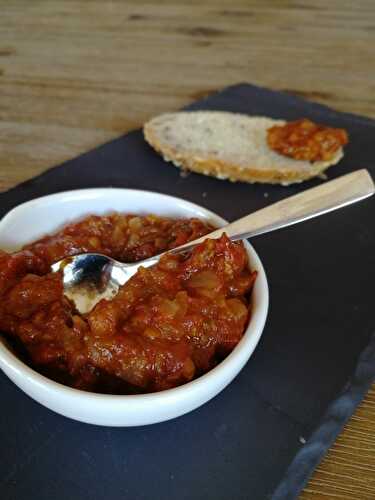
<point x="306" y="140"/>
<point x="168" y="324"/>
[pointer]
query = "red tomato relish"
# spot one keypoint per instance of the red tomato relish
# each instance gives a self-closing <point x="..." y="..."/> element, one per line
<point x="167" y="325"/>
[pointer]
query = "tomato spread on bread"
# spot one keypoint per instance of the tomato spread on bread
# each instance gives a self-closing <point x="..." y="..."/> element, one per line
<point x="306" y="140"/>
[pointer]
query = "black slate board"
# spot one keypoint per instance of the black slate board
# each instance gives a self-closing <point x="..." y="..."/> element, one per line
<point x="264" y="434"/>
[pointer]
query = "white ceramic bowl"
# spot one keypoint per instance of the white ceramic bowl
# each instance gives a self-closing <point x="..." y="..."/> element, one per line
<point x="33" y="219"/>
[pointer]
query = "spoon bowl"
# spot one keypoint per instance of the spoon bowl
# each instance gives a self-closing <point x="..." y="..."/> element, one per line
<point x="91" y="277"/>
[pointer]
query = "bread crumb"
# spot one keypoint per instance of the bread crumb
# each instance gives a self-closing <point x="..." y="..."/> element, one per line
<point x="184" y="173"/>
<point x="302" y="440"/>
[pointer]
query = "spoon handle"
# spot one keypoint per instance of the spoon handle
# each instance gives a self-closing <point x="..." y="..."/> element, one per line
<point x="319" y="200"/>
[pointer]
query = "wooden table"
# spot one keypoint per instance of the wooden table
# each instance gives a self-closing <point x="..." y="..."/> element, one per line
<point x="76" y="74"/>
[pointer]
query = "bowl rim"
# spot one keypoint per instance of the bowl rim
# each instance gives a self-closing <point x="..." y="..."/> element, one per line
<point x="247" y="343"/>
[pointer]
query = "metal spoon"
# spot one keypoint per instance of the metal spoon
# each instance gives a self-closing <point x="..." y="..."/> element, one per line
<point x="90" y="277"/>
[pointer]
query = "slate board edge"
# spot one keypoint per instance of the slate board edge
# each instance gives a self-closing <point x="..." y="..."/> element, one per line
<point x="291" y="98"/>
<point x="338" y="414"/>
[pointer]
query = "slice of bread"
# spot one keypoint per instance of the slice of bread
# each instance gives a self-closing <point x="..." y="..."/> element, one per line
<point x="227" y="146"/>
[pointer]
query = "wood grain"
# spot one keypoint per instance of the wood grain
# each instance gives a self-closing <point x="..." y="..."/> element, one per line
<point x="74" y="74"/>
<point x="348" y="470"/>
